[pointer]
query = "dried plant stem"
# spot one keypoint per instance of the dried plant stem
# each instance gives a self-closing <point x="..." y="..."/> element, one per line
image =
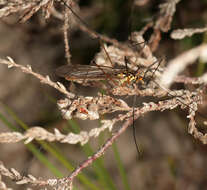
<point x="148" y="107"/>
<point x="19" y="179"/>
<point x="46" y="80"/>
<point x="98" y="154"/>
<point x="66" y="30"/>
<point x="111" y="56"/>
<point x="86" y="28"/>
<point x="179" y="63"/>
<point x="162" y="105"/>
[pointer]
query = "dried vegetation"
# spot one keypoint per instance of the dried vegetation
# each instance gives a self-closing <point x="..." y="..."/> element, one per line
<point x="156" y="78"/>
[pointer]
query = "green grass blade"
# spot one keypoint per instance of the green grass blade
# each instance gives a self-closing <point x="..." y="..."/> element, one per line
<point x="100" y="170"/>
<point x="200" y="68"/>
<point x="53" y="151"/>
<point x="98" y="165"/>
<point x="35" y="151"/>
<point x="59" y="156"/>
<point x="120" y="167"/>
<point x="14" y="116"/>
<point x="42" y="158"/>
<point x="7" y="123"/>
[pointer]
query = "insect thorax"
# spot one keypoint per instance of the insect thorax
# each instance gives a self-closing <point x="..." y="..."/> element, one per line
<point x="129" y="78"/>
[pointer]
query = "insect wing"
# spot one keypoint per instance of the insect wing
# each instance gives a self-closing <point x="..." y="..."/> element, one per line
<point x="89" y="72"/>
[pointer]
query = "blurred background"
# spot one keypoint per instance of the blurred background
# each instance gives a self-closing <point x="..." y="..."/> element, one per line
<point x="170" y="159"/>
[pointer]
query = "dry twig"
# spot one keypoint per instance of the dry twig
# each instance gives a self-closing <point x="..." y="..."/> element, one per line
<point x="153" y="82"/>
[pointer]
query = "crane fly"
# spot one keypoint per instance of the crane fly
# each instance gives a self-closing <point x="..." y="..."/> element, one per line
<point x="78" y="73"/>
<point x="81" y="73"/>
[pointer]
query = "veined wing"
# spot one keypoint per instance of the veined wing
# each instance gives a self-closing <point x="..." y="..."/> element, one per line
<point x="88" y="72"/>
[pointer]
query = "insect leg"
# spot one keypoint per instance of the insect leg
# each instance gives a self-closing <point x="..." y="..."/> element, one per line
<point x="134" y="129"/>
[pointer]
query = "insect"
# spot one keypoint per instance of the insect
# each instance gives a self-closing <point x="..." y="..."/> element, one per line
<point x="87" y="72"/>
<point x="80" y="73"/>
<point x="118" y="76"/>
<point x="115" y="76"/>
